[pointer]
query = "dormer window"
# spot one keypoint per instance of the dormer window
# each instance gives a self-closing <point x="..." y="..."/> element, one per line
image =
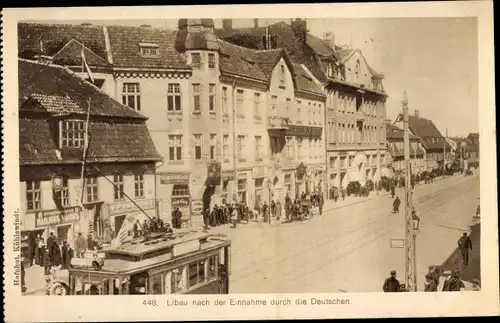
<point x="72" y="134"/>
<point x="149" y="49"/>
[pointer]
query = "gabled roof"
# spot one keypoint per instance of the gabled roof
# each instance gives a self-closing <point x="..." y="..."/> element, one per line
<point x="427" y="131"/>
<point x="124" y="42"/>
<point x="320" y="46"/>
<point x="469" y="145"/>
<point x="393" y="132"/>
<point x="305" y="82"/>
<point x="48" y="39"/>
<point x="71" y="55"/>
<point x="241" y="61"/>
<point x="53" y="86"/>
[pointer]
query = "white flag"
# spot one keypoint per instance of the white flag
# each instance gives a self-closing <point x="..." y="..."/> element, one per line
<point x="86" y="66"/>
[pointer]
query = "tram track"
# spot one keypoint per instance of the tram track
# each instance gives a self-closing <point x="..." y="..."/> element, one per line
<point x="360" y="232"/>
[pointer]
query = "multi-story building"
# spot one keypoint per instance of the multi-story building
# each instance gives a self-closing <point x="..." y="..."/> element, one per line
<point x="395" y="145"/>
<point x="119" y="174"/>
<point x="466" y="151"/>
<point x="437" y="149"/>
<point x="355" y="98"/>
<point x="206" y="101"/>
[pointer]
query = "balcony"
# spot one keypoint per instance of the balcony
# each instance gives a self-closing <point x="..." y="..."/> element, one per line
<point x="277" y="123"/>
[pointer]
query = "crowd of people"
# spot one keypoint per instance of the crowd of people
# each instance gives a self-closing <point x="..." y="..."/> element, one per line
<point x="151" y="225"/>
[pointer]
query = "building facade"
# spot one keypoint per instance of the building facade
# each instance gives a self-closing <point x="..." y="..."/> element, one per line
<point x="119" y="175"/>
<point x="437" y="149"/>
<point x="354" y="114"/>
<point x="395" y="145"/>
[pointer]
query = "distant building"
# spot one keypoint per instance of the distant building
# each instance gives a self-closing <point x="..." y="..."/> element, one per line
<point x="433" y="141"/>
<point x="395" y="145"/>
<point x="467" y="151"/>
<point x="121" y="158"/>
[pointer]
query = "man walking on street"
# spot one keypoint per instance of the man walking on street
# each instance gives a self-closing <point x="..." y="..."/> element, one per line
<point x="464" y="244"/>
<point x="391" y="284"/>
<point x="81" y="245"/>
<point x="321" y="202"/>
<point x="453" y="284"/>
<point x="430" y="283"/>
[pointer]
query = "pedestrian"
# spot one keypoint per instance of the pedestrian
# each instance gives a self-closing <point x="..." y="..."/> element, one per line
<point x="342" y="192"/>
<point x="206" y="218"/>
<point x="393" y="190"/>
<point x="137" y="228"/>
<point x="396" y="204"/>
<point x="265" y="211"/>
<point x="176" y="218"/>
<point x="430" y="283"/>
<point x="321" y="202"/>
<point x="234" y="218"/>
<point x="464" y="245"/>
<point x="435" y="275"/>
<point x="67" y="255"/>
<point x="81" y="245"/>
<point x="46" y="260"/>
<point x="391" y="284"/>
<point x="38" y="250"/>
<point x="278" y="209"/>
<point x="55" y="252"/>
<point x="402" y="288"/>
<point x="454" y="284"/>
<point x="273" y="208"/>
<point x="257" y="210"/>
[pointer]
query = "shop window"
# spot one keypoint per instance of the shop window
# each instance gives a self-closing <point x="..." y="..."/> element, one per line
<point x="118" y="187"/>
<point x="131" y="96"/>
<point x="33" y="196"/>
<point x="174" y="97"/>
<point x="61" y="196"/>
<point x="180" y="190"/>
<point x="91" y="189"/>
<point x="139" y="185"/>
<point x="72" y="134"/>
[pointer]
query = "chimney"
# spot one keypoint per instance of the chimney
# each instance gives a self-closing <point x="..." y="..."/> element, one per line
<point x="227" y="24"/>
<point x="417" y="113"/>
<point x="256" y="23"/>
<point x="329" y="38"/>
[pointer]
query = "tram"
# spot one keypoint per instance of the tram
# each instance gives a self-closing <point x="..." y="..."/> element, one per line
<point x="189" y="263"/>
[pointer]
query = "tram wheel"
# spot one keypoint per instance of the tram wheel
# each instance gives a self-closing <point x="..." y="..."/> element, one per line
<point x="58" y="289"/>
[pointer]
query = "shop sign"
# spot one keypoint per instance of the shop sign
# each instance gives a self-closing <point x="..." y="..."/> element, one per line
<point x="297" y="130"/>
<point x="129" y="207"/>
<point x="197" y="207"/>
<point x="174" y="178"/>
<point x="56" y="217"/>
<point x="258" y="172"/>
<point x="228" y="175"/>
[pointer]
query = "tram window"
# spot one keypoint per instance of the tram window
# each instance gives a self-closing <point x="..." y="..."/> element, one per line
<point x="201" y="271"/>
<point x="178" y="280"/>
<point x="138" y="284"/>
<point x="212" y="265"/>
<point x="157" y="284"/>
<point x="193" y="274"/>
<point x="91" y="289"/>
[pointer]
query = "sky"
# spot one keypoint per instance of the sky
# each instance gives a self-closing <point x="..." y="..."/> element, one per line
<point x="434" y="59"/>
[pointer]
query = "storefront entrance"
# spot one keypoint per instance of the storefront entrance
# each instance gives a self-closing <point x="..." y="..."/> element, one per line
<point x="64" y="233"/>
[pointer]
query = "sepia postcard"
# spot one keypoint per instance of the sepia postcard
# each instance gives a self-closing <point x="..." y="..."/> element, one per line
<point x="249" y="162"/>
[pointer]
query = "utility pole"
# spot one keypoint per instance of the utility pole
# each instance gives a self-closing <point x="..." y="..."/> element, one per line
<point x="410" y="263"/>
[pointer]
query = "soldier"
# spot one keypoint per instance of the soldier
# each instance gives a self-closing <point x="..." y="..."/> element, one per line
<point x="391" y="284"/>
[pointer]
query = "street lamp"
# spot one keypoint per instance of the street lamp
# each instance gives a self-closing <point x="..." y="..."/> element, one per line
<point x="416" y="222"/>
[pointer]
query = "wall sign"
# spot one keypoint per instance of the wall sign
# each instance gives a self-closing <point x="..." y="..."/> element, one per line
<point x="129" y="207"/>
<point x="296" y="130"/>
<point x="258" y="172"/>
<point x="56" y="217"/>
<point x="228" y="175"/>
<point x="173" y="178"/>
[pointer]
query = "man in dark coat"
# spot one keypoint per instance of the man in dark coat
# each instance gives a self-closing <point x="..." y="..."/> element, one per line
<point x="213" y="216"/>
<point x="273" y="208"/>
<point x="206" y="218"/>
<point x="177" y="218"/>
<point x="46" y="261"/>
<point x="396" y="204"/>
<point x="265" y="210"/>
<point x="430" y="283"/>
<point x="321" y="202"/>
<point x="67" y="255"/>
<point x="81" y="245"/>
<point x="391" y="284"/>
<point x="453" y="284"/>
<point x="393" y="190"/>
<point x="464" y="245"/>
<point x="54" y="251"/>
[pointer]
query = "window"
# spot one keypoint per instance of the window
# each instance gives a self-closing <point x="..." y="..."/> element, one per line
<point x="314" y="113"/>
<point x="196" y="273"/>
<point x="213" y="144"/>
<point x="239" y="103"/>
<point x="309" y="114"/>
<point x="131" y="96"/>
<point x="157" y="285"/>
<point x="241" y="147"/>
<point x="258" y="184"/>
<point x="225" y="148"/>
<point x="242" y="188"/>
<point x="139" y="185"/>
<point x="288" y="183"/>
<point x="274" y="103"/>
<point x="33" y="196"/>
<point x="197" y="146"/>
<point x="212" y="267"/>
<point x="118" y="186"/>
<point x="180" y="190"/>
<point x="358" y="72"/>
<point x="274" y="145"/>
<point x="61" y="197"/>
<point x="72" y="134"/>
<point x="299" y="148"/>
<point x="149" y="49"/>
<point x="224" y="101"/>
<point x="175" y="147"/>
<point x="211" y="60"/>
<point x="174" y="97"/>
<point x="282" y="74"/>
<point x="256" y="105"/>
<point x="211" y="98"/>
<point x="196" y="98"/>
<point x="320" y="114"/>
<point x="258" y="148"/>
<point x="287" y="106"/>
<point x="91" y="189"/>
<point x="289" y="152"/>
<point x="196" y="60"/>
<point x="178" y="279"/>
<point x="299" y="112"/>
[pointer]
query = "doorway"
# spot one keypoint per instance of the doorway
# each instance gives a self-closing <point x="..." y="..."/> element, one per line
<point x="119" y="219"/>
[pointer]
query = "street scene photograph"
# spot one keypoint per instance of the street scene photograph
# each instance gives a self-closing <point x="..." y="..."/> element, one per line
<point x="249" y="156"/>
